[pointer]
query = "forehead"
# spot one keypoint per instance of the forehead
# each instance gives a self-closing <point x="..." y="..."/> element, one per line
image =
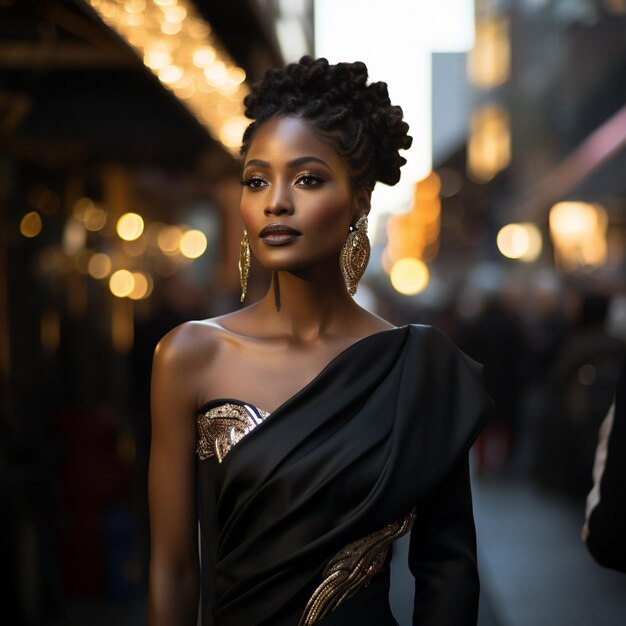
<point x="286" y="138"/>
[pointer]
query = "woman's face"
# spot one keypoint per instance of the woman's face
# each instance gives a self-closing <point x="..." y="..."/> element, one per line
<point x="299" y="187"/>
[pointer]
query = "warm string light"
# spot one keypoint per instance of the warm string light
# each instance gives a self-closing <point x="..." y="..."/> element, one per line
<point x="179" y="47"/>
<point x="161" y="246"/>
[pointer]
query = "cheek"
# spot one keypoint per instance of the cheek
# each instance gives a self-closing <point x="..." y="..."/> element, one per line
<point x="330" y="215"/>
<point x="249" y="211"/>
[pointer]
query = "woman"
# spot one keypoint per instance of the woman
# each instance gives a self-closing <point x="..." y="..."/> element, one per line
<point x="303" y="432"/>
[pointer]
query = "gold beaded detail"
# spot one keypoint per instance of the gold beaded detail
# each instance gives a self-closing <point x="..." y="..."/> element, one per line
<point x="244" y="264"/>
<point x="355" y="254"/>
<point x="224" y="426"/>
<point x="353" y="568"/>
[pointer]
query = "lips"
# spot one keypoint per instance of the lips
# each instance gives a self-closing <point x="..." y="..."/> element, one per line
<point x="275" y="230"/>
<point x="278" y="234"/>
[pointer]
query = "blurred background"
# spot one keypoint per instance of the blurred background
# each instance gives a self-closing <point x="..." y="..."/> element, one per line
<point x="120" y="122"/>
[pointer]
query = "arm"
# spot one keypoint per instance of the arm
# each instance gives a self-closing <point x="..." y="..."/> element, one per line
<point x="174" y="565"/>
<point x="442" y="555"/>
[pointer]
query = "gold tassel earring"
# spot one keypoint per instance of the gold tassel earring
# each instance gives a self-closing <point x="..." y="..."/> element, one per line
<point x="244" y="264"/>
<point x="355" y="254"/>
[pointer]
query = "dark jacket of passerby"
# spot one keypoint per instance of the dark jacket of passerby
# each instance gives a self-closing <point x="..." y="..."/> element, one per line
<point x="606" y="504"/>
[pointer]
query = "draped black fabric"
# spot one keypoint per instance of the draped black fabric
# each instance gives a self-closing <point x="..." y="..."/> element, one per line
<point x="376" y="433"/>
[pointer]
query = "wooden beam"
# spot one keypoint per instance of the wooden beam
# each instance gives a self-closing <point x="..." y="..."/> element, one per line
<point x="78" y="24"/>
<point x="59" y="55"/>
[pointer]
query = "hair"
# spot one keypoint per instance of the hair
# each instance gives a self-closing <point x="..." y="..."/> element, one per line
<point x="356" y="118"/>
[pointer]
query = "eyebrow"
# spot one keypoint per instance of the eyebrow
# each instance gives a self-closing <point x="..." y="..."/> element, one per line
<point x="293" y="163"/>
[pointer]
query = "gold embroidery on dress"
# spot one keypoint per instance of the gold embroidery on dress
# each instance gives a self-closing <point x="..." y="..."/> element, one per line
<point x="224" y="426"/>
<point x="353" y="568"/>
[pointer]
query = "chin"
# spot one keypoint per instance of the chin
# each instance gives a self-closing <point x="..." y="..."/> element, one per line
<point x="294" y="264"/>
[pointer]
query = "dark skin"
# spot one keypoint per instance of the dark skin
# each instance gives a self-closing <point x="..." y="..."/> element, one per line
<point x="262" y="354"/>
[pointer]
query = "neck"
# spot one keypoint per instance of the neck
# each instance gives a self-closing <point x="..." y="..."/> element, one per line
<point x="308" y="304"/>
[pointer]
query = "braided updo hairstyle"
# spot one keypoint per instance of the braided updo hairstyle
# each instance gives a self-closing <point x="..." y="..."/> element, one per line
<point x="356" y="118"/>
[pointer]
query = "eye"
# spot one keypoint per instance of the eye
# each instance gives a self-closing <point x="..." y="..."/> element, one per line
<point x="309" y="180"/>
<point x="254" y="182"/>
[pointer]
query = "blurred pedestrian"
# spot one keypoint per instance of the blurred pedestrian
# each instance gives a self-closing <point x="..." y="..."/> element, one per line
<point x="580" y="390"/>
<point x="494" y="337"/>
<point x="605" y="521"/>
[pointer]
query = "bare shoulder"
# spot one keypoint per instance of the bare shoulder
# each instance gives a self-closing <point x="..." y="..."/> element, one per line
<point x="187" y="343"/>
<point x="196" y="343"/>
<point x="182" y="364"/>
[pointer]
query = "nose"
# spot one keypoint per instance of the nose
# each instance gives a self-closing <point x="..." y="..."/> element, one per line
<point x="280" y="202"/>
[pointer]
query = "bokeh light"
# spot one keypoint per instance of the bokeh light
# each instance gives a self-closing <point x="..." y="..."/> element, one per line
<point x="236" y="75"/>
<point x="31" y="224"/>
<point x="578" y="231"/>
<point x="74" y="236"/>
<point x="140" y="286"/>
<point x="130" y="226"/>
<point x="513" y="241"/>
<point x="570" y="221"/>
<point x="203" y="57"/>
<point x="170" y="74"/>
<point x="175" y="42"/>
<point x="99" y="265"/>
<point x="94" y="217"/>
<point x="157" y="57"/>
<point x="80" y="206"/>
<point x="193" y="244"/>
<point x="409" y="276"/>
<point x="535" y="242"/>
<point x="168" y="239"/>
<point x="215" y="73"/>
<point x="121" y="283"/>
<point x="175" y="13"/>
<point x="232" y="130"/>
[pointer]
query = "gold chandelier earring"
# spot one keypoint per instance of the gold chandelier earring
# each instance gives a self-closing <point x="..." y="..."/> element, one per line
<point x="244" y="264"/>
<point x="355" y="254"/>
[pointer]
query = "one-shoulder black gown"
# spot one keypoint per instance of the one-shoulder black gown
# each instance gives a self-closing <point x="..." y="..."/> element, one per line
<point x="298" y="508"/>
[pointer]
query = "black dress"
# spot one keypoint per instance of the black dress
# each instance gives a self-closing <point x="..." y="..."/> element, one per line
<point x="298" y="508"/>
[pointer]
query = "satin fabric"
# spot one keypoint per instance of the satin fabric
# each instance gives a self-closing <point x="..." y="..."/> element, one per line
<point x="375" y="433"/>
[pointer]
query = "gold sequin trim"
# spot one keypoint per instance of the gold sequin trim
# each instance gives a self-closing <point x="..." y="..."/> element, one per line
<point x="353" y="568"/>
<point x="224" y="426"/>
